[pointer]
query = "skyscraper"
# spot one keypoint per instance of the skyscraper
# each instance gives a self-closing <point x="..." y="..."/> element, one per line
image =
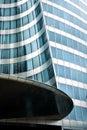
<point x="45" y="40"/>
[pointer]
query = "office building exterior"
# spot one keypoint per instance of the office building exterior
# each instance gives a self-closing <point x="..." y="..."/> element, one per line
<point x="46" y="40"/>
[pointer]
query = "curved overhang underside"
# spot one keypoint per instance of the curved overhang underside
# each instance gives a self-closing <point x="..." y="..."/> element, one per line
<point x="22" y="98"/>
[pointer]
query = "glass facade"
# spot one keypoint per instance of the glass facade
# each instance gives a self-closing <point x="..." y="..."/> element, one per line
<point x="24" y="49"/>
<point x="46" y="40"/>
<point x="67" y="35"/>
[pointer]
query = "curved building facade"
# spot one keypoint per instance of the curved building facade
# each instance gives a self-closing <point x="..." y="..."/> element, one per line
<point x="46" y="40"/>
<point x="66" y="25"/>
<point x="24" y="50"/>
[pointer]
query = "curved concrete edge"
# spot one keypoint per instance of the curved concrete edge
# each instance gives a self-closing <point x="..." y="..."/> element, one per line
<point x="24" y="98"/>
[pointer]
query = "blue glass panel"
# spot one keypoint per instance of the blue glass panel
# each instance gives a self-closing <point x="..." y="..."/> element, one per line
<point x="69" y="90"/>
<point x="29" y="64"/>
<point x="78" y="113"/>
<point x="62" y="87"/>
<point x="36" y="62"/>
<point x="50" y="71"/>
<point x="32" y="31"/>
<point x="39" y="77"/>
<point x="73" y="115"/>
<point x="45" y="75"/>
<point x="84" y="110"/>
<point x="26" y="34"/>
<point x="28" y="48"/>
<point x="25" y="20"/>
<point x="6" y="68"/>
<point x="76" y="92"/>
<point x="34" y="46"/>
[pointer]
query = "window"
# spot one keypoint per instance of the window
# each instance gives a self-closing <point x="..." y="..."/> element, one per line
<point x="19" y="23"/>
<point x="61" y="71"/>
<point x="25" y="20"/>
<point x="32" y="31"/>
<point x="69" y="90"/>
<point x="47" y="54"/>
<point x="73" y="114"/>
<point x="53" y="52"/>
<point x="37" y="10"/>
<point x="5" y="39"/>
<point x="13" y="11"/>
<point x="30" y="17"/>
<point x="5" y="54"/>
<point x="13" y="24"/>
<point x="7" y="11"/>
<point x="67" y="72"/>
<point x="6" y="25"/>
<point x="76" y="92"/>
<point x="78" y="113"/>
<point x="39" y="77"/>
<point x="34" y="46"/>
<point x="21" y="51"/>
<point x="45" y="75"/>
<point x="42" y="58"/>
<point x="82" y="94"/>
<point x="13" y="38"/>
<point x="29" y="64"/>
<point x="26" y="34"/>
<point x="24" y="7"/>
<point x="28" y="4"/>
<point x="6" y="68"/>
<point x="40" y="42"/>
<point x="36" y="62"/>
<point x="52" y="36"/>
<point x="50" y="72"/>
<point x="28" y="48"/>
<point x="20" y="36"/>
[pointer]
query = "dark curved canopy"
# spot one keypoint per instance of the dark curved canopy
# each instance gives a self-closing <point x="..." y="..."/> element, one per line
<point x="24" y="98"/>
